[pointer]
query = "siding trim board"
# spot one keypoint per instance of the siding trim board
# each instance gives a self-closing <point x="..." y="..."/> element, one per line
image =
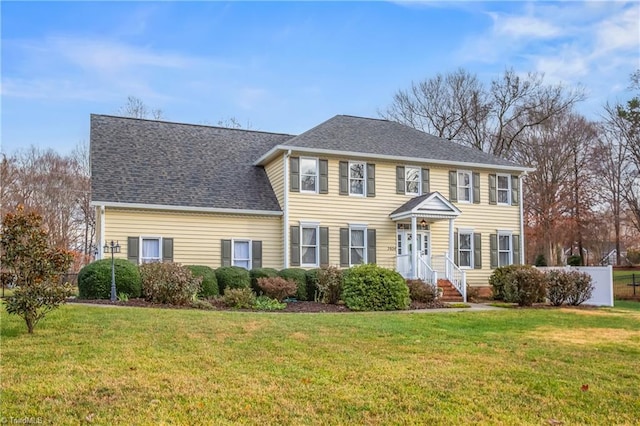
<point x="140" y="206"/>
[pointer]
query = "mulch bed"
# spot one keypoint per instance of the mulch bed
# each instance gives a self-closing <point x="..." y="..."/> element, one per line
<point x="298" y="306"/>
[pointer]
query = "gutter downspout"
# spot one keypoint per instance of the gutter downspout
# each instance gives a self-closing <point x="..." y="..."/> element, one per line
<point x="102" y="225"/>
<point x="285" y="219"/>
<point x="522" y="256"/>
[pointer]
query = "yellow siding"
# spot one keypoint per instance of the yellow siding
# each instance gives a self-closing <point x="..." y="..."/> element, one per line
<point x="275" y="172"/>
<point x="337" y="211"/>
<point x="197" y="235"/>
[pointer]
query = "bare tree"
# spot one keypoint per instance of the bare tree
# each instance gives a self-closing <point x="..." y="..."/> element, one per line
<point x="136" y="108"/>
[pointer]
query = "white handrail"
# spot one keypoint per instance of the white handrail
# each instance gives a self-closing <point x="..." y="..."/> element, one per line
<point x="457" y="276"/>
<point x="426" y="273"/>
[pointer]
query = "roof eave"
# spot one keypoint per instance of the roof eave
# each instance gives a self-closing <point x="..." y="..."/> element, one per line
<point x="194" y="209"/>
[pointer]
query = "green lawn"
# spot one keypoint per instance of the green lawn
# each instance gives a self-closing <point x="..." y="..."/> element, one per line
<point x="621" y="279"/>
<point x="105" y="365"/>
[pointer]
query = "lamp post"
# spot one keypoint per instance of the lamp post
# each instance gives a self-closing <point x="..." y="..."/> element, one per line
<point x="113" y="248"/>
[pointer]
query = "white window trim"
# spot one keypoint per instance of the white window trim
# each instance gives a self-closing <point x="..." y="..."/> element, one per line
<point x="317" y="175"/>
<point x="413" y="194"/>
<point x="316" y="226"/>
<point x="140" y="245"/>
<point x="471" y="245"/>
<point x="233" y="250"/>
<point x="508" y="203"/>
<point x="510" y="235"/>
<point x="358" y="227"/>
<point x="364" y="179"/>
<point x="458" y="186"/>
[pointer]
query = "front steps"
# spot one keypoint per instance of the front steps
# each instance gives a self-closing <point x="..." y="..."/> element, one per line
<point x="449" y="294"/>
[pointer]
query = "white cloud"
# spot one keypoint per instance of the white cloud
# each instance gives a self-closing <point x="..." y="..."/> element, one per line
<point x="523" y="26"/>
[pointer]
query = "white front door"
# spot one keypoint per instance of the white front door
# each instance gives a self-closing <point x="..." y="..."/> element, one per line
<point x="405" y="250"/>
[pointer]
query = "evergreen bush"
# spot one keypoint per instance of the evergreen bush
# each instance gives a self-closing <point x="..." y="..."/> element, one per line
<point x="370" y="287"/>
<point x="94" y="280"/>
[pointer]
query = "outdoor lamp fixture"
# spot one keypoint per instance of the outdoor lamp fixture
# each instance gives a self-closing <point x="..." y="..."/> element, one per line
<point x="423" y="223"/>
<point x="113" y="248"/>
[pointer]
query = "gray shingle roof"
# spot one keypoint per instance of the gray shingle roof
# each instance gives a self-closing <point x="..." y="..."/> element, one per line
<point x="162" y="163"/>
<point x="383" y="137"/>
<point x="411" y="204"/>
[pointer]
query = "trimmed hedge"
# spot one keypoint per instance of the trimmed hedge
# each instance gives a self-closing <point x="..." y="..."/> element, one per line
<point x="311" y="277"/>
<point x="330" y="280"/>
<point x="525" y="286"/>
<point x="168" y="282"/>
<point x="256" y="273"/>
<point x="373" y="288"/>
<point x="499" y="279"/>
<point x="94" y="280"/>
<point x="300" y="277"/>
<point x="209" y="287"/>
<point x="232" y="277"/>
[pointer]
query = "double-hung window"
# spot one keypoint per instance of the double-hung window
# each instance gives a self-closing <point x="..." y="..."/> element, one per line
<point x="505" y="249"/>
<point x="464" y="186"/>
<point x="151" y="250"/>
<point x="241" y="253"/>
<point x="465" y="249"/>
<point x="357" y="245"/>
<point x="309" y="250"/>
<point x="504" y="189"/>
<point x="412" y="180"/>
<point x="308" y="174"/>
<point x="357" y="178"/>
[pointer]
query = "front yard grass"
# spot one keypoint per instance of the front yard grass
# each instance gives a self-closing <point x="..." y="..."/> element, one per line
<point x="106" y="365"/>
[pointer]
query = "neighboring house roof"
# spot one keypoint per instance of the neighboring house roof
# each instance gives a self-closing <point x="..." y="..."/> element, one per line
<point x="149" y="162"/>
<point x="378" y="138"/>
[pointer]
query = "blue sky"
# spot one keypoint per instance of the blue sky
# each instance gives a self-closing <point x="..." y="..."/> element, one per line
<point x="286" y="67"/>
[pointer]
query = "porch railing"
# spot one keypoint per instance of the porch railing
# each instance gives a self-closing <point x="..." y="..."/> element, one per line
<point x="452" y="272"/>
<point x="426" y="273"/>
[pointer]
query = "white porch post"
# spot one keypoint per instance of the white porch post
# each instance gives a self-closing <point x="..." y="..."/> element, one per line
<point x="414" y="245"/>
<point x="451" y="238"/>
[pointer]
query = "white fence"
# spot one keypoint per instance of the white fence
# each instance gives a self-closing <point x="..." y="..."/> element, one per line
<point x="602" y="282"/>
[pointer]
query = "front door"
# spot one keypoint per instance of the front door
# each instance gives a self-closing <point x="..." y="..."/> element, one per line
<point x="405" y="248"/>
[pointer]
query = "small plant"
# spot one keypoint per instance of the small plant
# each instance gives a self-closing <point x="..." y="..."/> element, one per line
<point x="371" y="287"/>
<point x="473" y="294"/>
<point x="330" y="280"/>
<point x="277" y="287"/>
<point x="574" y="260"/>
<point x="525" y="286"/>
<point x="232" y="277"/>
<point x="264" y="303"/>
<point x="239" y="298"/>
<point x="209" y="286"/>
<point x="201" y="304"/>
<point x="256" y="273"/>
<point x="299" y="276"/>
<point x="540" y="260"/>
<point x="582" y="288"/>
<point x="123" y="297"/>
<point x="169" y="283"/>
<point x="420" y="291"/>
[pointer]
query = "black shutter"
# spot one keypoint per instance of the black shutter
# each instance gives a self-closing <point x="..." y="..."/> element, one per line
<point x="477" y="251"/>
<point x="515" y="190"/>
<point x="456" y="248"/>
<point x="344" y="247"/>
<point x="324" y="246"/>
<point x="493" y="196"/>
<point x="225" y="258"/>
<point x="294" y="174"/>
<point x="371" y="246"/>
<point x="371" y="180"/>
<point x="323" y="165"/>
<point x="294" y="245"/>
<point x="344" y="177"/>
<point x="256" y="254"/>
<point x="453" y="186"/>
<point x="476" y="187"/>
<point x="133" y="249"/>
<point x="399" y="179"/>
<point x="515" y="240"/>
<point x="425" y="181"/>
<point x="167" y="249"/>
<point x="493" y="250"/>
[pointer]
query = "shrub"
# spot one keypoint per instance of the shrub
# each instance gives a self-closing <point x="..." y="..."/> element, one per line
<point x="559" y="286"/>
<point x="300" y="277"/>
<point x="209" y="286"/>
<point x="94" y="280"/>
<point x="525" y="286"/>
<point x="201" y="304"/>
<point x="330" y="280"/>
<point x="232" y="277"/>
<point x="169" y="283"/>
<point x="498" y="280"/>
<point x="277" y="287"/>
<point x="574" y="260"/>
<point x="540" y="260"/>
<point x="254" y="274"/>
<point x="581" y="289"/>
<point x="239" y="298"/>
<point x="633" y="256"/>
<point x="312" y="283"/>
<point x="420" y="291"/>
<point x="372" y="287"/>
<point x="264" y="303"/>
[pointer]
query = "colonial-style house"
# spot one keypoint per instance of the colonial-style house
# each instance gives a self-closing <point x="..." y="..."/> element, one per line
<point x="351" y="190"/>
